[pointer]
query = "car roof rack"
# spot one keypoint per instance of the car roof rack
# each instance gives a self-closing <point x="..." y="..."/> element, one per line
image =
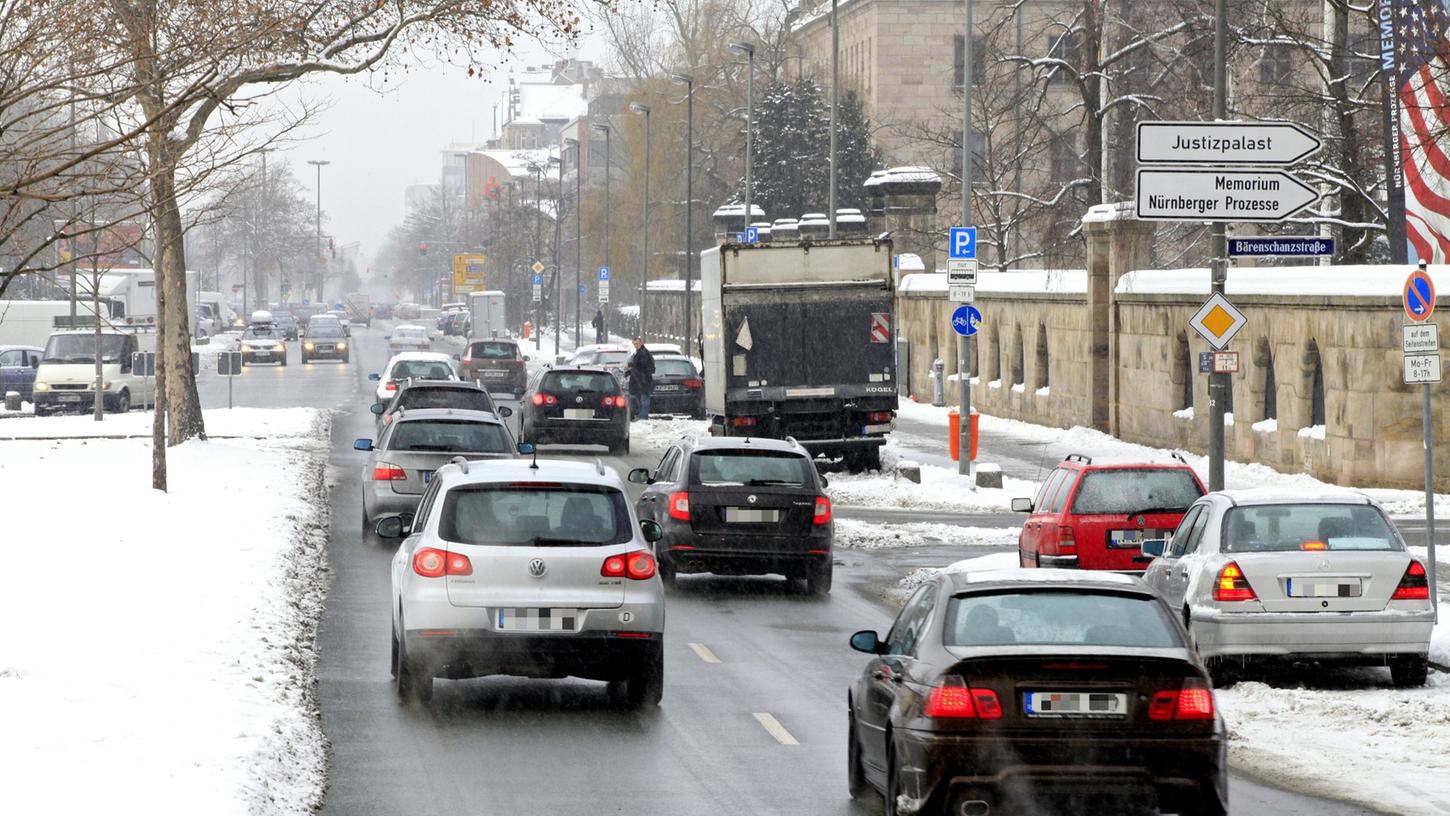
<point x="599" y="465"/>
<point x="461" y="462"/>
<point x="1179" y="456"/>
<point x="790" y="440"/>
<point x="1078" y="457"/>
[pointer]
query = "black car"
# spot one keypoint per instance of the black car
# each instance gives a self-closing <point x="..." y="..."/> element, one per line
<point x="414" y="395"/>
<point x="577" y="406"/>
<point x="324" y="341"/>
<point x="287" y="324"/>
<point x="740" y="506"/>
<point x="678" y="388"/>
<point x="1028" y="691"/>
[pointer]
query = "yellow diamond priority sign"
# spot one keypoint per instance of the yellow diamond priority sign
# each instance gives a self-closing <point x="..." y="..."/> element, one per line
<point x="1217" y="321"/>
<point x="538" y="267"/>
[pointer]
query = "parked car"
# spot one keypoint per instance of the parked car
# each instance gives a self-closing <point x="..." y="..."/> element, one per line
<point x="498" y="365"/>
<point x="408" y="311"/>
<point x="324" y="341"/>
<point x="529" y="569"/>
<point x="1316" y="575"/>
<point x="1027" y="691"/>
<point x="413" y="395"/>
<point x="736" y="506"/>
<point x="409" y="338"/>
<point x="411" y="365"/>
<point x="608" y="355"/>
<point x="17" y="369"/>
<point x="456" y="324"/>
<point x="577" y="406"/>
<point x="678" y="387"/>
<point x="1095" y="512"/>
<point x="382" y="311"/>
<point x="414" y="445"/>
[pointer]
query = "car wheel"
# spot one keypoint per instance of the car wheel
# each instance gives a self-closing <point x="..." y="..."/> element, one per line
<point x="367" y="524"/>
<point x="393" y="658"/>
<point x="284" y="360"/>
<point x="855" y="774"/>
<point x="410" y="684"/>
<point x="818" y="580"/>
<point x="123" y="402"/>
<point x="642" y="689"/>
<point x="1409" y="671"/>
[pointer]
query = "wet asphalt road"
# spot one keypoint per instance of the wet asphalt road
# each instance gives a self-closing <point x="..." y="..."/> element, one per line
<point x="512" y="746"/>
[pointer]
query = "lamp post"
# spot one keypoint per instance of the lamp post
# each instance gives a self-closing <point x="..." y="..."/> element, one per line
<point x="578" y="234"/>
<point x="835" y="84"/>
<point x="558" y="273"/>
<point x="539" y="253"/>
<point x="608" y="159"/>
<point x="689" y="83"/>
<point x="749" y="51"/>
<point x="319" y="164"/>
<point x="260" y="271"/>
<point x="644" y="270"/>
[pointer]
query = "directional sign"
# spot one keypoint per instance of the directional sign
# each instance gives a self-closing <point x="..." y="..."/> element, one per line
<point x="963" y="243"/>
<point x="1225" y="362"/>
<point x="1419" y="298"/>
<point x="1224" y="143"/>
<point x="1291" y="246"/>
<point x="229" y="363"/>
<point x="1422" y="368"/>
<point x="1421" y="338"/>
<point x="1217" y="321"/>
<point x="1221" y="195"/>
<point x="966" y="320"/>
<point x="752" y="235"/>
<point x="143" y="363"/>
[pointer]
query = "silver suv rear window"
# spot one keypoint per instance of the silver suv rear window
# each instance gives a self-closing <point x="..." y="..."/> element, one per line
<point x="535" y="515"/>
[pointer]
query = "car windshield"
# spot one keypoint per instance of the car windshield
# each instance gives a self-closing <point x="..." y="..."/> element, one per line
<point x="464" y="398"/>
<point x="578" y="381"/>
<point x="421" y="370"/>
<point x="410" y="333"/>
<point x="81" y="348"/>
<point x="537" y="515"/>
<point x="261" y="333"/>
<point x="1126" y="491"/>
<point x="1058" y="618"/>
<point x="450" y="436"/>
<point x="494" y="351"/>
<point x="324" y="330"/>
<point x="1292" y="527"/>
<point x="675" y="368"/>
<point x="611" y="358"/>
<point x="750" y="468"/>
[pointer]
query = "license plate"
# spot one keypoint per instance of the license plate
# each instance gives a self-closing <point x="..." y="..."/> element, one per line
<point x="1133" y="539"/>
<point x="324" y="348"/>
<point x="750" y="515"/>
<point x="661" y="388"/>
<point x="537" y="620"/>
<point x="1075" y="705"/>
<point x="578" y="413"/>
<point x="495" y="373"/>
<point x="1322" y="587"/>
<point x="427" y="476"/>
<point x="70" y="398"/>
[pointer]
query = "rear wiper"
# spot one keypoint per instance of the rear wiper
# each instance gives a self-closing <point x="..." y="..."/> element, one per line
<point x="561" y="542"/>
<point x="1148" y="510"/>
<point x="759" y="482"/>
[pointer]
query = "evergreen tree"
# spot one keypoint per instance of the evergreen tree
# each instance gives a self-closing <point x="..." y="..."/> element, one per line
<point x="792" y="150"/>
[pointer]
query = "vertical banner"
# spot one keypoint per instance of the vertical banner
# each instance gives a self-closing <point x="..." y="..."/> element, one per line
<point x="1413" y="43"/>
<point x="1394" y="180"/>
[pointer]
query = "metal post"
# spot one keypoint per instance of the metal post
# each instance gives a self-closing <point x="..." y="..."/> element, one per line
<point x="538" y="256"/>
<point x="749" y="51"/>
<point x="644" y="269"/>
<point x="835" y="84"/>
<point x="317" y="263"/>
<point x="964" y="379"/>
<point x="100" y="401"/>
<point x="558" y="273"/>
<point x="1430" y="500"/>
<point x="608" y="158"/>
<point x="578" y="234"/>
<point x="260" y="270"/>
<point x="1218" y="384"/>
<point x="689" y="82"/>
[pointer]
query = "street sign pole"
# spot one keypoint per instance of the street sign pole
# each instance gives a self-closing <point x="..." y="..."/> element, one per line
<point x="1430" y="499"/>
<point x="1421" y="346"/>
<point x="1218" y="384"/>
<point x="964" y="432"/>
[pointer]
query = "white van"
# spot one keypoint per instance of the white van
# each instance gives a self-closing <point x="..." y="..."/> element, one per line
<point x="67" y="374"/>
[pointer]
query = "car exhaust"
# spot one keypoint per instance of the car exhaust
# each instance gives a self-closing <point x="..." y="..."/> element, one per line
<point x="974" y="807"/>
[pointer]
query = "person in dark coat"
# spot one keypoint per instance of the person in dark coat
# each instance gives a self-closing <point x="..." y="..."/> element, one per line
<point x="641" y="373"/>
<point x="598" y="324"/>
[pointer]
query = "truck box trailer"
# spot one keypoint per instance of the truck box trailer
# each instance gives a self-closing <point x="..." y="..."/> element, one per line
<point x="487" y="309"/>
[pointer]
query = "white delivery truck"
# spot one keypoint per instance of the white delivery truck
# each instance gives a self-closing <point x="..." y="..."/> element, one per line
<point x="66" y="379"/>
<point x="488" y="314"/>
<point x="359" y="308"/>
<point x="30" y="322"/>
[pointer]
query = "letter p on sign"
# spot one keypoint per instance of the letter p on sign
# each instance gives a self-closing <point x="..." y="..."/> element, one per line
<point x="963" y="242"/>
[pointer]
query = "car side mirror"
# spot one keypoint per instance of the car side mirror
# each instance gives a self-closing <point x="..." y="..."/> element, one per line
<point x="1155" y="547"/>
<point x="505" y="411"/>
<point x="824" y="481"/>
<point x="652" y="530"/>
<point x="378" y="408"/>
<point x="458" y="358"/>
<point x="373" y="378"/>
<point x="866" y="641"/>
<point x="526" y="448"/>
<point x="639" y="476"/>
<point x="35" y="362"/>
<point x="527" y="358"/>
<point x="1022" y="505"/>
<point x="362" y="444"/>
<point x="394" y="526"/>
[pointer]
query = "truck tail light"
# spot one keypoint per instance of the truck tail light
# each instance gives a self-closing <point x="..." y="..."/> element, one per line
<point x="822" y="514"/>
<point x="1194" y="701"/>
<point x="544" y="399"/>
<point x="388" y="472"/>
<point x="742" y="422"/>
<point x="880" y="416"/>
<point x="680" y="506"/>
<point x="694" y="384"/>
<point x="1232" y="585"/>
<point x="430" y="562"/>
<point x="1413" y="586"/>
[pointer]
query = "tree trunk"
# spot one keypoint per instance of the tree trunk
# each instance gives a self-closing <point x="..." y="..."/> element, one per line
<point x="173" y="341"/>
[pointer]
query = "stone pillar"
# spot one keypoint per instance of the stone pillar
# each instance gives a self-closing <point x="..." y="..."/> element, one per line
<point x="1117" y="243"/>
<point x="908" y="209"/>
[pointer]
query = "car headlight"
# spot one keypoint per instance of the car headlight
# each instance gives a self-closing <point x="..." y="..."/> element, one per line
<point x="40" y="386"/>
<point x="279" y="347"/>
<point x="246" y="348"/>
<point x="308" y="346"/>
<point x="342" y="347"/>
<point x="105" y="385"/>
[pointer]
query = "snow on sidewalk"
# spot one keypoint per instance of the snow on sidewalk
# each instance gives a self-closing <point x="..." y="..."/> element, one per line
<point x="865" y="535"/>
<point x="220" y="423"/>
<point x="160" y="645"/>
<point x="940" y="489"/>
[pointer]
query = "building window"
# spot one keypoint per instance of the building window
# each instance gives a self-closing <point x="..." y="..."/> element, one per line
<point x="1064" y="156"/>
<point x="1041" y="363"/>
<point x="1276" y="65"/>
<point x="1067" y="47"/>
<point x="979" y="60"/>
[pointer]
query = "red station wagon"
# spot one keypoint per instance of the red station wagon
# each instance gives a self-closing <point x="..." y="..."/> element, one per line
<point x="1095" y="513"/>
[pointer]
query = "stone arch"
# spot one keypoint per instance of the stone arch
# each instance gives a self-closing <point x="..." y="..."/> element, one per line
<point x="1183" y="372"/>
<point x="1266" y="385"/>
<point x="1018" y="369"/>
<point x="1041" y="363"/>
<point x="1312" y="373"/>
<point x="992" y="357"/>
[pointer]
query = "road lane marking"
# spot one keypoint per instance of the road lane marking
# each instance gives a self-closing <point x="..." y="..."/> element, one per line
<point x="704" y="652"/>
<point x="773" y="727"/>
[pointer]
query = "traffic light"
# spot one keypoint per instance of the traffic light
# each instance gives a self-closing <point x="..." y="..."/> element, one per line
<point x="422" y="247"/>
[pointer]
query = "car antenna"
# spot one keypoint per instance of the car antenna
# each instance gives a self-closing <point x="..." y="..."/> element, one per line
<point x="534" y="465"/>
<point x="599" y="465"/>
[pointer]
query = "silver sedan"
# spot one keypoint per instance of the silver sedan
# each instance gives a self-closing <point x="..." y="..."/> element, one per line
<point x="1312" y="576"/>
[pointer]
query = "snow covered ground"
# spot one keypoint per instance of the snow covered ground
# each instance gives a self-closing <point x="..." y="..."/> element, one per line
<point x="158" y="647"/>
<point x="941" y="488"/>
<point x="220" y="423"/>
<point x="865" y="535"/>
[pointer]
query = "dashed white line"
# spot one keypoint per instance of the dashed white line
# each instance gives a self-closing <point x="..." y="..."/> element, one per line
<point x="704" y="652"/>
<point x="773" y="727"/>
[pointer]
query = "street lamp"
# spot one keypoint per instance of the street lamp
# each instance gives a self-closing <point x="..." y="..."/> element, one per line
<point x="319" y="164"/>
<point x="644" y="271"/>
<point x="749" y="51"/>
<point x="835" y="83"/>
<point x="558" y="273"/>
<point x="689" y="83"/>
<point x="578" y="234"/>
<point x="603" y="127"/>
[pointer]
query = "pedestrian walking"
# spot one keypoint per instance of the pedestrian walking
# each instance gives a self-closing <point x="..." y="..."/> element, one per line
<point x="641" y="373"/>
<point x="598" y="324"/>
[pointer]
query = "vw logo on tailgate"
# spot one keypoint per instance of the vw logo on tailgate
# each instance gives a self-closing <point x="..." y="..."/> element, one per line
<point x="537" y="568"/>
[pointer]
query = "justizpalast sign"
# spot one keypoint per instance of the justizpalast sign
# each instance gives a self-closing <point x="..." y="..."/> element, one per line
<point x="1224" y="143"/>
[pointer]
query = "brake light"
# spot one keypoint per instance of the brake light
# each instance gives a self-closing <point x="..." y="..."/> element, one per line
<point x="693" y="383"/>
<point x="1194" y="701"/>
<point x="879" y="416"/>
<point x="742" y="422"/>
<point x="613" y="567"/>
<point x="1313" y="545"/>
<point x="390" y="385"/>
<point x="1066" y="541"/>
<point x="1232" y="585"/>
<point x="615" y="402"/>
<point x="680" y="506"/>
<point x="434" y="563"/>
<point x="962" y="702"/>
<point x="822" y="514"/>
<point x="636" y="566"/>
<point x="1414" y="586"/>
<point x="387" y="472"/>
<point x="544" y="399"/>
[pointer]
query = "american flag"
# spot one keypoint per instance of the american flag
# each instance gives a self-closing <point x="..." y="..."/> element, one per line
<point x="1422" y="61"/>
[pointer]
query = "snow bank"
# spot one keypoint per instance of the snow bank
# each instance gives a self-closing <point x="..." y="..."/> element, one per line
<point x="995" y="561"/>
<point x="653" y="436"/>
<point x="941" y="488"/>
<point x="168" y="658"/>
<point x="220" y="423"/>
<point x="865" y="535"/>
<point x="1354" y="281"/>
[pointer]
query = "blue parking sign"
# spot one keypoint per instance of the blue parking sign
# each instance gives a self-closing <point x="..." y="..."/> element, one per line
<point x="752" y="235"/>
<point x="604" y="273"/>
<point x="538" y="279"/>
<point x="963" y="242"/>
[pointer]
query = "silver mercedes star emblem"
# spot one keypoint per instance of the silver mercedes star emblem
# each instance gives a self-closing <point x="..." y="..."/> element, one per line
<point x="1142" y="520"/>
<point x="1324" y="565"/>
<point x="750" y="499"/>
<point x="537" y="568"/>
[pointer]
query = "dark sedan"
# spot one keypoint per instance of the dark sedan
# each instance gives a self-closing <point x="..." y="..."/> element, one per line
<point x="678" y="388"/>
<point x="324" y="341"/>
<point x="577" y="406"/>
<point x="414" y="395"/>
<point x="1035" y="691"/>
<point x="736" y="506"/>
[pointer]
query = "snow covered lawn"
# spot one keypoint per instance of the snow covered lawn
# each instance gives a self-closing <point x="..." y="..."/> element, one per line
<point x="158" y="648"/>
<point x="220" y="423"/>
<point x="865" y="535"/>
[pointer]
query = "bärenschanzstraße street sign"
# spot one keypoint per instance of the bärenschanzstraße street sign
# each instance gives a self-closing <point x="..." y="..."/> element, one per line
<point x="1221" y="195"/>
<point x="1224" y="143"/>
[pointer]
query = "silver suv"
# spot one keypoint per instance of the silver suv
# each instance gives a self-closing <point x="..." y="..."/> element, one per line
<point x="535" y="569"/>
